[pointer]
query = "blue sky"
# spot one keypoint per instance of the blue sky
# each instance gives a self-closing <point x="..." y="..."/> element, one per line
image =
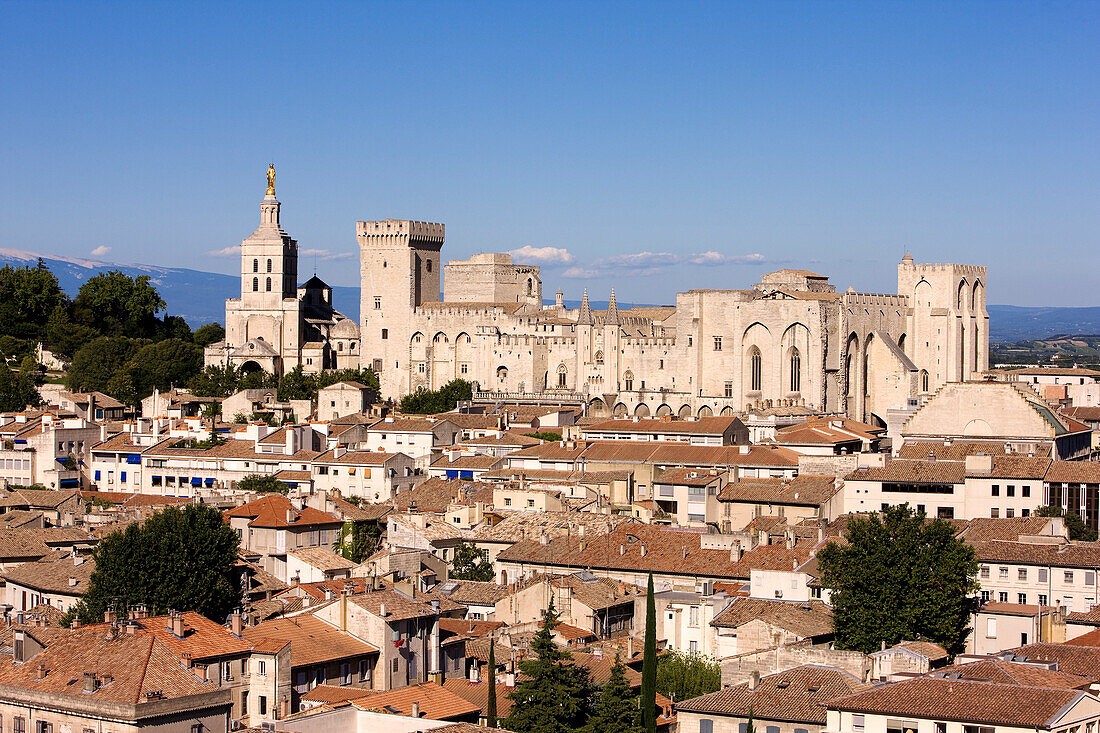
<point x="653" y="147"/>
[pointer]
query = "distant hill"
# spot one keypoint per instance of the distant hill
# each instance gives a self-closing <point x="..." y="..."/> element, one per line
<point x="199" y="297"/>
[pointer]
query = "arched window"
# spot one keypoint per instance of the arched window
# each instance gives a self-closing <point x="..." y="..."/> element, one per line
<point x="756" y="370"/>
<point x="269" y="265"/>
<point x="562" y="374"/>
<point x="599" y="357"/>
<point x="255" y="284"/>
<point x="923" y="380"/>
<point x="628" y="380"/>
<point x="796" y="371"/>
<point x="502" y="373"/>
<point x="530" y="286"/>
<point x="269" y="285"/>
<point x="255" y="265"/>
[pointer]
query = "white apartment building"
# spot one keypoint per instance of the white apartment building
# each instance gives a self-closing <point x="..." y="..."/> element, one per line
<point x="421" y="438"/>
<point x="373" y="476"/>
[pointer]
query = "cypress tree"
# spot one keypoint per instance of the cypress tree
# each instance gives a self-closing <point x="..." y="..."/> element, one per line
<point x="491" y="706"/>
<point x="617" y="708"/>
<point x="649" y="664"/>
<point x="555" y="694"/>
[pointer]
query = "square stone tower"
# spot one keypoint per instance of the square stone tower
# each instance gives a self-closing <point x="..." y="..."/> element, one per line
<point x="399" y="270"/>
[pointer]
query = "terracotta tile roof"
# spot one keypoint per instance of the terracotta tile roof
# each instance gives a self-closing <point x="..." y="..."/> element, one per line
<point x="508" y="439"/>
<point x="1078" y="660"/>
<point x="572" y="633"/>
<point x="477" y="693"/>
<point x="354" y="458"/>
<point x="957" y="450"/>
<point x="798" y="695"/>
<point x="1091" y="617"/>
<point x="364" y="512"/>
<point x="700" y="426"/>
<point x="272" y="510"/>
<point x="471" y="421"/>
<point x="985" y="529"/>
<point x="170" y="448"/>
<point x="474" y="463"/>
<point x="322" y="558"/>
<point x="907" y="471"/>
<point x="670" y="551"/>
<point x="472" y="591"/>
<point x="801" y="490"/>
<point x="52" y="574"/>
<point x="1091" y="638"/>
<point x="807" y="620"/>
<point x="932" y="652"/>
<point x="398" y="605"/>
<point x="312" y="641"/>
<point x="462" y="727"/>
<point x="593" y="591"/>
<point x="690" y="476"/>
<point x="1055" y="372"/>
<point x="51" y="615"/>
<point x="435" y="495"/>
<point x="137" y="664"/>
<point x="316" y="590"/>
<point x="1080" y="555"/>
<point x="1083" y="413"/>
<point x="468" y="627"/>
<point x="436" y="702"/>
<point x="1074" y="472"/>
<point x="1015" y="466"/>
<point x="408" y="425"/>
<point x="962" y="700"/>
<point x="521" y="525"/>
<point x="202" y="638"/>
<point x="1013" y="673"/>
<point x="661" y="453"/>
<point x="1013" y="609"/>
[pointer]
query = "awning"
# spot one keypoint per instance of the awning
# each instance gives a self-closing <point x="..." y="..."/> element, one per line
<point x="196" y="481"/>
<point x="133" y="458"/>
<point x="69" y="482"/>
<point x="209" y="482"/>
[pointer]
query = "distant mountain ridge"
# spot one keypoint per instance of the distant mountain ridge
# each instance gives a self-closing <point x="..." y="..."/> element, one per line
<point x="199" y="297"/>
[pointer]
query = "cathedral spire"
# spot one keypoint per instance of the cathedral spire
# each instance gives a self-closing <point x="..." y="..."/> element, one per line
<point x="612" y="311"/>
<point x="585" y="317"/>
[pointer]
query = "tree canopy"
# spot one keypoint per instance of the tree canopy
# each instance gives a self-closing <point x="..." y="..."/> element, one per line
<point x="900" y="577"/>
<point x="17" y="390"/>
<point x="470" y="563"/>
<point x="116" y="304"/>
<point x="262" y="483"/>
<point x="178" y="559"/>
<point x="28" y="297"/>
<point x="616" y="709"/>
<point x="684" y="676"/>
<point x="444" y="399"/>
<point x="1076" y="526"/>
<point x="554" y="694"/>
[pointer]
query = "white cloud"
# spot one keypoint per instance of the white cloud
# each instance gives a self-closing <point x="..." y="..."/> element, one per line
<point x="653" y="263"/>
<point x="233" y="251"/>
<point x="100" y="251"/>
<point x="325" y="254"/>
<point x="551" y="255"/>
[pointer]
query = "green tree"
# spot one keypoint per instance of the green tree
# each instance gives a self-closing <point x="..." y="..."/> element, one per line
<point x="1076" y="526"/>
<point x="617" y="707"/>
<point x="684" y="676"/>
<point x="164" y="365"/>
<point x="900" y="576"/>
<point x="545" y="435"/>
<point x="209" y="333"/>
<point x="262" y="483"/>
<point x="121" y="387"/>
<point x="555" y="695"/>
<point x="174" y="327"/>
<point x="96" y="363"/>
<point x="491" y="705"/>
<point x="64" y="336"/>
<point x="358" y="540"/>
<point x="215" y="381"/>
<point x="470" y="563"/>
<point x="16" y="390"/>
<point x="31" y="368"/>
<point x="28" y="296"/>
<point x="116" y="304"/>
<point x="444" y="399"/>
<point x="296" y="385"/>
<point x="648" y="700"/>
<point x="178" y="559"/>
<point x="750" y="726"/>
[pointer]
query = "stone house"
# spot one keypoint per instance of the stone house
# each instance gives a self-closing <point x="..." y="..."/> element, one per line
<point x="272" y="526"/>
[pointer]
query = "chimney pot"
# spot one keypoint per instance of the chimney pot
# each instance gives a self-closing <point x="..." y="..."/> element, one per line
<point x="754" y="681"/>
<point x="416" y="709"/>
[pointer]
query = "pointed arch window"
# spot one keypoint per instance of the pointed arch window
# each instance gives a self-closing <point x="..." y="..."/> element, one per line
<point x="923" y="381"/>
<point x="599" y="357"/>
<point x="563" y="374"/>
<point x="756" y="370"/>
<point x="628" y="381"/>
<point x="796" y="371"/>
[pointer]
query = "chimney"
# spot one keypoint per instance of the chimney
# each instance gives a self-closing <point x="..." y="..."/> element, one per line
<point x="382" y="611"/>
<point x="629" y="648"/>
<point x="735" y="552"/>
<point x="110" y="616"/>
<point x="186" y="659"/>
<point x="789" y="536"/>
<point x="90" y="683"/>
<point x="177" y="625"/>
<point x="510" y="679"/>
<point x="236" y="623"/>
<point x="643" y="551"/>
<point x="41" y="671"/>
<point x="290" y="515"/>
<point x="131" y="628"/>
<point x="416" y="709"/>
<point x="72" y="581"/>
<point x="622" y="550"/>
<point x="684" y="551"/>
<point x="754" y="681"/>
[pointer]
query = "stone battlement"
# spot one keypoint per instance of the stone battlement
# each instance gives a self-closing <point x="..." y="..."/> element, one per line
<point x="420" y="230"/>
<point x="876" y="299"/>
<point x="945" y="267"/>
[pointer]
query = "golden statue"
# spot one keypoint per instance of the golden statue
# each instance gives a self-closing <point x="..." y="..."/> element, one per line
<point x="271" y="179"/>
